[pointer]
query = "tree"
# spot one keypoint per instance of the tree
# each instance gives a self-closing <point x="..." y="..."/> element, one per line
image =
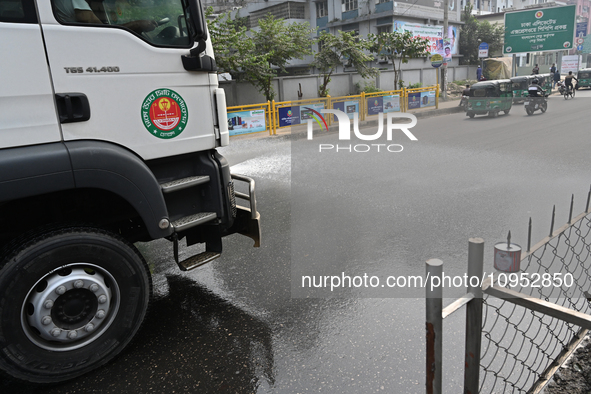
<point x="280" y="42"/>
<point x="258" y="57"/>
<point x="336" y="48"/>
<point x="474" y="32"/>
<point x="234" y="50"/>
<point x="398" y="48"/>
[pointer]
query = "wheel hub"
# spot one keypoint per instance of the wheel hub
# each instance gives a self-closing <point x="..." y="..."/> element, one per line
<point x="70" y="307"/>
<point x="74" y="309"/>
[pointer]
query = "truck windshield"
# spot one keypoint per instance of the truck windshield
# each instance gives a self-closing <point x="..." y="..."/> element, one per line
<point x="162" y="23"/>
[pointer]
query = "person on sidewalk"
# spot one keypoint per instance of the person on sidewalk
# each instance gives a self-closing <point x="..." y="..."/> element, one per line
<point x="478" y="73"/>
<point x="553" y="68"/>
<point x="555" y="79"/>
<point x="536" y="70"/>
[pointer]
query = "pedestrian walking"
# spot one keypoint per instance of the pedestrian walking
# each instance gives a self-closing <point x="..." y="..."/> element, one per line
<point x="536" y="70"/>
<point x="478" y="73"/>
<point x="553" y="68"/>
<point x="556" y="78"/>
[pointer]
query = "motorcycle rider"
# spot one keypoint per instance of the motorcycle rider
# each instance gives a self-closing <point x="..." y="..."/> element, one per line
<point x="465" y="95"/>
<point x="537" y="98"/>
<point x="568" y="81"/>
<point x="535" y="90"/>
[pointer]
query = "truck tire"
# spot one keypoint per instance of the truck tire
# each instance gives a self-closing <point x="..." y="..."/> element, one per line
<point x="70" y="300"/>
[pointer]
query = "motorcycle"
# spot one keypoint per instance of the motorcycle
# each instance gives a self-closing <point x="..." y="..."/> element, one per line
<point x="464" y="101"/>
<point x="532" y="104"/>
<point x="561" y="87"/>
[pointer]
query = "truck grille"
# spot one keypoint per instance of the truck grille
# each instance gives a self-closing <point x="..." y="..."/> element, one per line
<point x="232" y="196"/>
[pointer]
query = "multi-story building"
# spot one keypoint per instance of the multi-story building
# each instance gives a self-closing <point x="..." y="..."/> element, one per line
<point x="423" y="17"/>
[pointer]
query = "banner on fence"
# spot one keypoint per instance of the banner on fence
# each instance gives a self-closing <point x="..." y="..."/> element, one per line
<point x="421" y="100"/>
<point x="348" y="107"/>
<point x="289" y="116"/>
<point x="427" y="99"/>
<point x="246" y="122"/>
<point x="383" y="104"/>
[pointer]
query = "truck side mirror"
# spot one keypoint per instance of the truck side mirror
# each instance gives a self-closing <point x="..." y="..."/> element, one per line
<point x="197" y="20"/>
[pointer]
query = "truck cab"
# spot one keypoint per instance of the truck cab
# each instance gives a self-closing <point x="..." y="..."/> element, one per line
<point x="111" y="119"/>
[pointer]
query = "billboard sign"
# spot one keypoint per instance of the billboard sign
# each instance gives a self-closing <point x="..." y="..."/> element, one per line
<point x="542" y="29"/>
<point x="434" y="34"/>
<point x="570" y="63"/>
<point x="483" y="50"/>
<point x="246" y="122"/>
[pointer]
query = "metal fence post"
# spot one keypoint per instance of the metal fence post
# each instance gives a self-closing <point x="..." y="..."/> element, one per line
<point x="434" y="325"/>
<point x="474" y="316"/>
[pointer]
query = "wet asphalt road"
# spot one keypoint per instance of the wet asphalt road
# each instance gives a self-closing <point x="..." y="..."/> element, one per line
<point x="233" y="327"/>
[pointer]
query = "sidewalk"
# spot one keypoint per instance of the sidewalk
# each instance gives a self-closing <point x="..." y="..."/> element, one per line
<point x="445" y="107"/>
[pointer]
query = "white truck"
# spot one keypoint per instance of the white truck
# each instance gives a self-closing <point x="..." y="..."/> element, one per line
<point x="110" y="116"/>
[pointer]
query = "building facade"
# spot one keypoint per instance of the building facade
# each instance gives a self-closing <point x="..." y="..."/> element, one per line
<point x="423" y="17"/>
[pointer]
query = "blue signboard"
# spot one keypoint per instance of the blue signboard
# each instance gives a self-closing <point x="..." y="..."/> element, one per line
<point x="414" y="100"/>
<point x="580" y="34"/>
<point x="375" y="105"/>
<point x="289" y="116"/>
<point x="483" y="46"/>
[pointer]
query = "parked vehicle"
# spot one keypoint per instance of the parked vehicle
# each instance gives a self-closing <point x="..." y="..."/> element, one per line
<point x="108" y="138"/>
<point x="519" y="87"/>
<point x="490" y="97"/>
<point x="584" y="77"/>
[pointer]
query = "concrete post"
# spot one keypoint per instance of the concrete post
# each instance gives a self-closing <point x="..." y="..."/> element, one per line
<point x="434" y="326"/>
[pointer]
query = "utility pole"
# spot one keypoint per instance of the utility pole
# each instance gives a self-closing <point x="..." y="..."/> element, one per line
<point x="445" y="35"/>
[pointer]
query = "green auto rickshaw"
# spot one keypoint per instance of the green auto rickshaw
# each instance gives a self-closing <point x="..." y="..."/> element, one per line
<point x="490" y="97"/>
<point x="546" y="81"/>
<point x="584" y="77"/>
<point x="520" y="86"/>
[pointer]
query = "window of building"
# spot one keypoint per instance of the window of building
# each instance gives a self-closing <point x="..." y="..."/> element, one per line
<point x="384" y="29"/>
<point x="383" y="1"/>
<point x="349" y="5"/>
<point x="321" y="9"/>
<point x="286" y="10"/>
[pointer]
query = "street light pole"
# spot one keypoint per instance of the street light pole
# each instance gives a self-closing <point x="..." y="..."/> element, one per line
<point x="445" y="35"/>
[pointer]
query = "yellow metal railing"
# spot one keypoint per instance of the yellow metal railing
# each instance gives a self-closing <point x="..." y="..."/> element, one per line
<point x="390" y="93"/>
<point x="237" y="128"/>
<point x="277" y="106"/>
<point x="414" y="98"/>
<point x="349" y="104"/>
<point x="277" y="114"/>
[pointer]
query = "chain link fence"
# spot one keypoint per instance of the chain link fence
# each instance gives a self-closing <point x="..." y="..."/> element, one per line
<point x="523" y="325"/>
<point x="521" y="348"/>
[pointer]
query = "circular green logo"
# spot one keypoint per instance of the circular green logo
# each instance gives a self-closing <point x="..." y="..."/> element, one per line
<point x="164" y="113"/>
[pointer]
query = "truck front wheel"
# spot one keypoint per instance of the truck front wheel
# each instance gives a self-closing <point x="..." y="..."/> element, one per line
<point x="70" y="300"/>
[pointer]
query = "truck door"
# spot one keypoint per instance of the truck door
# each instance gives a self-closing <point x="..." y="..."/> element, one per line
<point x="119" y="78"/>
<point x="28" y="115"/>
